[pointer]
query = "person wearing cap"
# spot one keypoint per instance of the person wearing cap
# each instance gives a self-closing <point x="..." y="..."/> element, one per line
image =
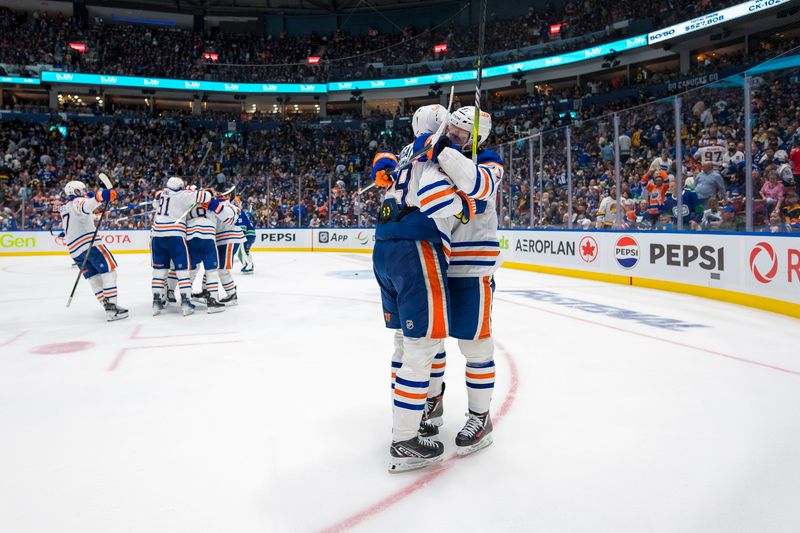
<point x="729" y="221"/>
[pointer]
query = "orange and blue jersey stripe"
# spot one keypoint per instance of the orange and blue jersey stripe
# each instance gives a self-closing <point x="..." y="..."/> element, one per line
<point x="480" y="375"/>
<point x="410" y="394"/>
<point x="475" y="253"/>
<point x="434" y="283"/>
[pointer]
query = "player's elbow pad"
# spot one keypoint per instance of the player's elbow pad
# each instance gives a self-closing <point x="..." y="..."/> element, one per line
<point x="475" y="181"/>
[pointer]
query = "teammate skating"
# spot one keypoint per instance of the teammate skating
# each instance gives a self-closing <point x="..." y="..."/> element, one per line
<point x="229" y="237"/>
<point x="99" y="265"/>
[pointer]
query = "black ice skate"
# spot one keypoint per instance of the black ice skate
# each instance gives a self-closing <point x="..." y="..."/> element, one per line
<point x="114" y="312"/>
<point x="202" y="296"/>
<point x="214" y="306"/>
<point x="171" y="296"/>
<point x="427" y="429"/>
<point x="247" y="270"/>
<point x="230" y="300"/>
<point x="434" y="409"/>
<point x="158" y="304"/>
<point x="414" y="453"/>
<point x="187" y="307"/>
<point x="475" y="435"/>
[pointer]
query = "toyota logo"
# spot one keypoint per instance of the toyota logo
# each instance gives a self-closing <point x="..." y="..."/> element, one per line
<point x="773" y="262"/>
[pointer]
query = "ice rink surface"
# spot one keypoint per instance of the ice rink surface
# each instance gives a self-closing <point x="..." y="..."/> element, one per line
<point x="617" y="409"/>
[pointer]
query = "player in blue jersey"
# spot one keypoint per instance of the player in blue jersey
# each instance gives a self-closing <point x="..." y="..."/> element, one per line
<point x="246" y="225"/>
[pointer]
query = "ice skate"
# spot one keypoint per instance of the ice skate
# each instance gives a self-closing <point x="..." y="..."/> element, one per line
<point x="475" y="435"/>
<point x="171" y="297"/>
<point x="434" y="409"/>
<point x="214" y="306"/>
<point x="230" y="300"/>
<point x="414" y="453"/>
<point x="114" y="312"/>
<point x="158" y="304"/>
<point x="187" y="307"/>
<point x="202" y="296"/>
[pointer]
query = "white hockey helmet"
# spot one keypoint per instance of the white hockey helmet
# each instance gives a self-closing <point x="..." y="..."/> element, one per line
<point x="464" y="118"/>
<point x="427" y="119"/>
<point x="75" y="188"/>
<point x="175" y="184"/>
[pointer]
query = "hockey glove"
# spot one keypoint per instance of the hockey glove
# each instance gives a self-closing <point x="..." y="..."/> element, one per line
<point x="382" y="166"/>
<point x="468" y="208"/>
<point x="421" y="142"/>
<point x="106" y="195"/>
<point x="214" y="205"/>
<point x="440" y="145"/>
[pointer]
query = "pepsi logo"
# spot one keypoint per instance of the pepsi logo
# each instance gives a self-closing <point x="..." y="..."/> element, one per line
<point x="588" y="249"/>
<point x="763" y="262"/>
<point x="626" y="252"/>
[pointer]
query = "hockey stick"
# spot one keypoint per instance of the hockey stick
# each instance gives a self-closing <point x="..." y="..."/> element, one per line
<point x="131" y="206"/>
<point x="120" y="219"/>
<point x="226" y="193"/>
<point x="108" y="185"/>
<point x="422" y="151"/>
<point x="477" y="119"/>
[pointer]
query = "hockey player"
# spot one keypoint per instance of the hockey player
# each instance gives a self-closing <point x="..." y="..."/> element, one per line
<point x="410" y="266"/>
<point x="201" y="224"/>
<point x="77" y="221"/>
<point x="168" y="242"/>
<point x="249" y="230"/>
<point x="229" y="237"/>
<point x="470" y="276"/>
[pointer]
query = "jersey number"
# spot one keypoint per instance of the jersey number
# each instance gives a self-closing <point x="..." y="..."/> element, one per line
<point x="65" y="218"/>
<point x="163" y="206"/>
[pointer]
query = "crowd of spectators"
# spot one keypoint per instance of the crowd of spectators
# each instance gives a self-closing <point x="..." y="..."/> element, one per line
<point x="28" y="39"/>
<point x="301" y="174"/>
<point x="713" y="165"/>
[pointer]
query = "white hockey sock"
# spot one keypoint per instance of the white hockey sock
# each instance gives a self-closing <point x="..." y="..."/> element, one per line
<point x="437" y="373"/>
<point x="159" y="284"/>
<point x="110" y="286"/>
<point x="212" y="282"/>
<point x="397" y="355"/>
<point x="96" y="283"/>
<point x="184" y="284"/>
<point x="411" y="386"/>
<point x="228" y="284"/>
<point x="172" y="280"/>
<point x="479" y="373"/>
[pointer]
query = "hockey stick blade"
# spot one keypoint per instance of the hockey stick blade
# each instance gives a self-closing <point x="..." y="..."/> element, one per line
<point x="105" y="180"/>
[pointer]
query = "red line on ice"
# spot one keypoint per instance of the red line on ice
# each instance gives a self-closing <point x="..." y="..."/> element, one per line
<point x="14" y="338"/>
<point x="648" y="336"/>
<point x="118" y="359"/>
<point x="435" y="472"/>
<point x="135" y="334"/>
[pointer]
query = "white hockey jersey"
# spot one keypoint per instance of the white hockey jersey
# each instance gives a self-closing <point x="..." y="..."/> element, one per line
<point x="475" y="245"/>
<point x="77" y="221"/>
<point x="227" y="230"/>
<point x="171" y="207"/>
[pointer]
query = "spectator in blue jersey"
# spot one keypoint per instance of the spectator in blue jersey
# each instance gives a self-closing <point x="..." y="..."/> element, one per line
<point x="692" y="207"/>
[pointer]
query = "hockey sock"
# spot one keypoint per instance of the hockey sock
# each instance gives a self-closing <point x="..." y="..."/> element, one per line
<point x="159" y="283"/>
<point x="110" y="286"/>
<point x="479" y="373"/>
<point x="397" y="355"/>
<point x="411" y="386"/>
<point x="212" y="277"/>
<point x="184" y="284"/>
<point x="172" y="280"/>
<point x="96" y="283"/>
<point x="192" y="275"/>
<point x="228" y="284"/>
<point x="437" y="374"/>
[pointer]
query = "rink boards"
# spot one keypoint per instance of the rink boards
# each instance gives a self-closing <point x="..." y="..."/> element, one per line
<point x="758" y="270"/>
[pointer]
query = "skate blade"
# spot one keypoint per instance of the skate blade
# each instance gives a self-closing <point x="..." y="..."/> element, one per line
<point x="187" y="312"/>
<point x="212" y="310"/>
<point x="156" y="311"/>
<point x="468" y="450"/>
<point x="405" y="464"/>
<point x="247" y="272"/>
<point x="231" y="303"/>
<point x="112" y="318"/>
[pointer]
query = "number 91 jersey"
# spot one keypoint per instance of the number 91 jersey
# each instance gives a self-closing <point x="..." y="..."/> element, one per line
<point x="171" y="207"/>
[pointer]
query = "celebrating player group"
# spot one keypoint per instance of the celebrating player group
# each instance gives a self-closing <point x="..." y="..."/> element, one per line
<point x="191" y="227"/>
<point x="435" y="255"/>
